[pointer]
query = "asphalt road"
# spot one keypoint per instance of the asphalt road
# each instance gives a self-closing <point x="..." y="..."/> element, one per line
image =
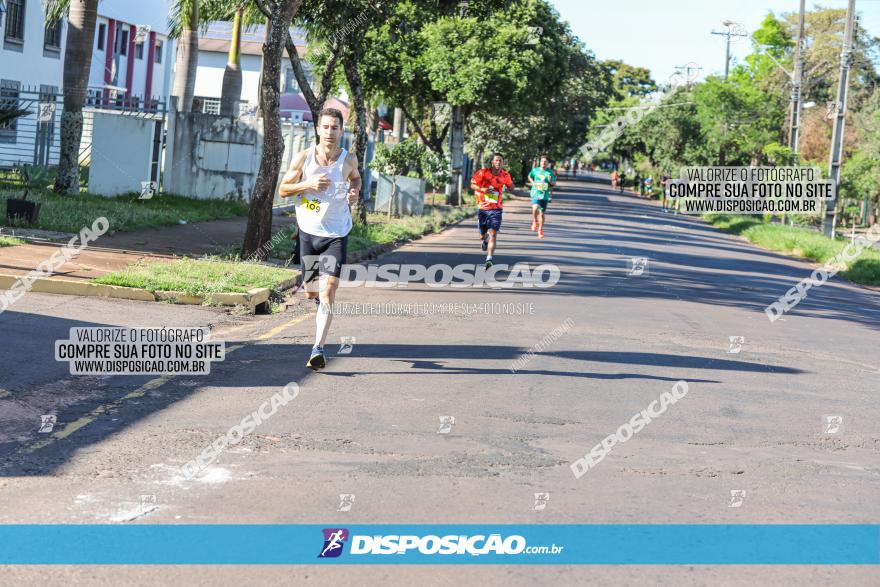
<point x="753" y="421"/>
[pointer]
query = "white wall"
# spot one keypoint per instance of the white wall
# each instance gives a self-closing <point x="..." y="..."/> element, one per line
<point x="209" y="77"/>
<point x="122" y="148"/>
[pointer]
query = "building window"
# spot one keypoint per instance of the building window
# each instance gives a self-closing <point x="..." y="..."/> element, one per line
<point x="209" y="105"/>
<point x="158" y="52"/>
<point x="122" y="49"/>
<point x="286" y="84"/>
<point x="139" y="50"/>
<point x="52" y="39"/>
<point x="15" y="20"/>
<point x="9" y="99"/>
<point x="102" y="32"/>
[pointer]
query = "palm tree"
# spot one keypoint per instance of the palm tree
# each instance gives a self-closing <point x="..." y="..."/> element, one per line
<point x="81" y="19"/>
<point x="230" y="94"/>
<point x="242" y="13"/>
<point x="10" y="113"/>
<point x="183" y="23"/>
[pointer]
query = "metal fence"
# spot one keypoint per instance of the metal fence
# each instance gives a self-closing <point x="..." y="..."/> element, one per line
<point x="35" y="138"/>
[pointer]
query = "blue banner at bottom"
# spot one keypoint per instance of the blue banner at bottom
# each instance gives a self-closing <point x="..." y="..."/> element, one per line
<point x="673" y="544"/>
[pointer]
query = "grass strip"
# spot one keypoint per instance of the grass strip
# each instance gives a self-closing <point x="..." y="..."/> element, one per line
<point x="800" y="242"/>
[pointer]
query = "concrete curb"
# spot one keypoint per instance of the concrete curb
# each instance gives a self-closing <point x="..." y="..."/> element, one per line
<point x="252" y="299"/>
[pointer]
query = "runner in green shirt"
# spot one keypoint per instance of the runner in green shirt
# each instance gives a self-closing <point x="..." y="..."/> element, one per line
<point x="541" y="179"/>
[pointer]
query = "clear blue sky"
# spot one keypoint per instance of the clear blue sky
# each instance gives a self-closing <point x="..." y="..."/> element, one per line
<point x="660" y="35"/>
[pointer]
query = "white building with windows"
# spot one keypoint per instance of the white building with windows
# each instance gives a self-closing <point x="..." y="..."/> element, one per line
<point x="137" y="64"/>
<point x="132" y="62"/>
<point x="214" y="54"/>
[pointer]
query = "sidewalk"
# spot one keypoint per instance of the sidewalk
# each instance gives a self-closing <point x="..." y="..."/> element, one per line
<point x="113" y="252"/>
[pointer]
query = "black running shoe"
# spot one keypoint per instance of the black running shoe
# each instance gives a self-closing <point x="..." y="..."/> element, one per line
<point x="485" y="243"/>
<point x="316" y="361"/>
<point x="489" y="263"/>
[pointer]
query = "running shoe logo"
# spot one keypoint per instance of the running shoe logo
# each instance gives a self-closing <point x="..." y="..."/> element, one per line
<point x="334" y="540"/>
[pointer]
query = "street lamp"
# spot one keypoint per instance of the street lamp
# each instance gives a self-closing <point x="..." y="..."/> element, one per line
<point x="733" y="30"/>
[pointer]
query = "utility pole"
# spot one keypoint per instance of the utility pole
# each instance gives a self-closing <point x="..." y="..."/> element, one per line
<point x="796" y="87"/>
<point x="727" y="34"/>
<point x="687" y="71"/>
<point x="835" y="159"/>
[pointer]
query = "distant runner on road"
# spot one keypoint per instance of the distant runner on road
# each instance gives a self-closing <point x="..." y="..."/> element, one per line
<point x="541" y="179"/>
<point x="326" y="181"/>
<point x="489" y="185"/>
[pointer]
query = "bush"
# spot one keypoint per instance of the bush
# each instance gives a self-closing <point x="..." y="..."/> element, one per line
<point x="412" y="159"/>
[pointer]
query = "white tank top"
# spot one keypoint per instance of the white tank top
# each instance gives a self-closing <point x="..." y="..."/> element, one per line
<point x="324" y="213"/>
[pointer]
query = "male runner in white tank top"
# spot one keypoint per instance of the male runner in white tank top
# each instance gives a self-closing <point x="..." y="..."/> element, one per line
<point x="325" y="181"/>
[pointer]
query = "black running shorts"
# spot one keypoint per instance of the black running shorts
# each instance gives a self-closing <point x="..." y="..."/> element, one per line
<point x="321" y="255"/>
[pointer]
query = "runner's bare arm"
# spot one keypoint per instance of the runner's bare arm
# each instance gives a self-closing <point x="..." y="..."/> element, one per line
<point x="354" y="179"/>
<point x="290" y="183"/>
<point x="474" y="184"/>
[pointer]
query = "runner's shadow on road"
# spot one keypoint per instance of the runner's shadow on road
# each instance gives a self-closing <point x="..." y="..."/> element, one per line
<point x="433" y="359"/>
<point x="440" y="369"/>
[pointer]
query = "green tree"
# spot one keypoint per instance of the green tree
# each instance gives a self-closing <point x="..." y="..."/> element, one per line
<point x="774" y="48"/>
<point x="860" y="176"/>
<point x="557" y="124"/>
<point x="672" y="134"/>
<point x="736" y="120"/>
<point x="279" y="14"/>
<point x="824" y="40"/>
<point x="490" y="59"/>
<point x="629" y="80"/>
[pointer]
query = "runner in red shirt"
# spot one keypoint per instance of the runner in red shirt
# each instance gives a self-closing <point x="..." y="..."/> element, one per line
<point x="489" y="185"/>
